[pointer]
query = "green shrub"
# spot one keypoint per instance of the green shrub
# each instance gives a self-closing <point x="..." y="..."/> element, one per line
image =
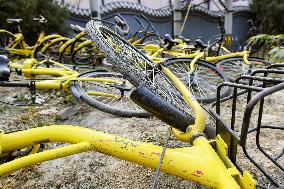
<point x="27" y="10"/>
<point x="273" y="45"/>
<point x="270" y="14"/>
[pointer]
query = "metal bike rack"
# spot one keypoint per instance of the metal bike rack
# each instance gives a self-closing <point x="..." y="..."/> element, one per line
<point x="265" y="86"/>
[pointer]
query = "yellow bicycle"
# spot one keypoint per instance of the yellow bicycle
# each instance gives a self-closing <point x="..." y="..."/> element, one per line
<point x="15" y="45"/>
<point x="106" y="91"/>
<point x="205" y="162"/>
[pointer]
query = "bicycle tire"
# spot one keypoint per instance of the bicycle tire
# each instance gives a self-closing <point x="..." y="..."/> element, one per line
<point x="39" y="46"/>
<point x="52" y="51"/>
<point x="89" y="56"/>
<point x="204" y="80"/>
<point x="5" y="38"/>
<point x="64" y="57"/>
<point x="108" y="104"/>
<point x="151" y="38"/>
<point x="138" y="69"/>
<point x="234" y="67"/>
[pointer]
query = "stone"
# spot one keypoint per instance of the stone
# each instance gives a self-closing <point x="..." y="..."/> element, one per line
<point x="67" y="113"/>
<point x="50" y="111"/>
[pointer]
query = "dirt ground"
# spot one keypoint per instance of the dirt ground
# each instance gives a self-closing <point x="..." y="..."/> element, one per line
<point x="99" y="171"/>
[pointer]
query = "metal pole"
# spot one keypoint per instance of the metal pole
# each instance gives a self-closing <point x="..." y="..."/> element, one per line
<point x="177" y="16"/>
<point x="229" y="18"/>
<point x="95" y="6"/>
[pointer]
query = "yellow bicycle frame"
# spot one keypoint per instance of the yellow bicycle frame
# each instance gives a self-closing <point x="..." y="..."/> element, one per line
<point x="45" y="47"/>
<point x="42" y="41"/>
<point x="19" y="46"/>
<point x="63" y="75"/>
<point x="199" y="163"/>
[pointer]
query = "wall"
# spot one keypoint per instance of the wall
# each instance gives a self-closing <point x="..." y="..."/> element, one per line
<point x="200" y="26"/>
<point x="240" y="30"/>
<point x="163" y="25"/>
<point x="201" y="22"/>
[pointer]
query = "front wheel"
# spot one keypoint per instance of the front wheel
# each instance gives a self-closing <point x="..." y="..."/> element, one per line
<point x="108" y="92"/>
<point x="202" y="82"/>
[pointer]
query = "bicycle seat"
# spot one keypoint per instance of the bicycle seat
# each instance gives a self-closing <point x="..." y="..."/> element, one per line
<point x="121" y="31"/>
<point x="14" y="21"/>
<point x="4" y="69"/>
<point x="170" y="41"/>
<point x="184" y="39"/>
<point x="198" y="43"/>
<point x="121" y="27"/>
<point x="118" y="21"/>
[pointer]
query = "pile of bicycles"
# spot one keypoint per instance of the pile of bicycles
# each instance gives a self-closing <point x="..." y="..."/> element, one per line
<point x="171" y="79"/>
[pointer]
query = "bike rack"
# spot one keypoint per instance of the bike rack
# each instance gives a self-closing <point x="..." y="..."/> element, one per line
<point x="265" y="87"/>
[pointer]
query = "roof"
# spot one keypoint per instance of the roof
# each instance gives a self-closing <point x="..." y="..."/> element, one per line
<point x="135" y="7"/>
<point x="129" y="6"/>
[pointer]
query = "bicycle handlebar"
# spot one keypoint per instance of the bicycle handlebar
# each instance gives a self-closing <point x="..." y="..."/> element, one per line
<point x="121" y="27"/>
<point x="40" y="19"/>
<point x="77" y="28"/>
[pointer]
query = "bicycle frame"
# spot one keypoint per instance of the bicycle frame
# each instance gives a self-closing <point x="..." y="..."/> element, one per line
<point x="155" y="51"/>
<point x="19" y="46"/>
<point x="202" y="161"/>
<point x="198" y="168"/>
<point x="64" y="75"/>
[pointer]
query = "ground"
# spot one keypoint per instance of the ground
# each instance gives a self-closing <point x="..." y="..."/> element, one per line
<point x="95" y="170"/>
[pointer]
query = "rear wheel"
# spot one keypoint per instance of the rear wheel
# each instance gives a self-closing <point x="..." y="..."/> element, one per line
<point x="37" y="52"/>
<point x="84" y="55"/>
<point x="234" y="67"/>
<point x="5" y="40"/>
<point x="203" y="82"/>
<point x="52" y="52"/>
<point x="110" y="94"/>
<point x="65" y="56"/>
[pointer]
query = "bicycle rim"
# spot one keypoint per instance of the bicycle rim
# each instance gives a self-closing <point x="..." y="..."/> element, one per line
<point x="234" y="67"/>
<point x="202" y="82"/>
<point x="84" y="56"/>
<point x="110" y="97"/>
<point x="5" y="39"/>
<point x="136" y="67"/>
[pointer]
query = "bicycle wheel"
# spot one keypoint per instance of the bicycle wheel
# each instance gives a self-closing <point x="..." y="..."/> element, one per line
<point x="64" y="56"/>
<point x="234" y="67"/>
<point x="151" y="38"/>
<point x="84" y="55"/>
<point x="202" y="82"/>
<point x="52" y="52"/>
<point x="141" y="71"/>
<point x="5" y="39"/>
<point x="37" y="52"/>
<point x="109" y="96"/>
